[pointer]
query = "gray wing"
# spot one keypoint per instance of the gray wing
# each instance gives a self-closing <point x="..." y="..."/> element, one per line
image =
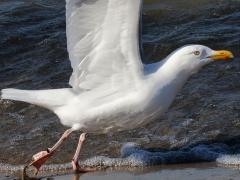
<point x="103" y="43"/>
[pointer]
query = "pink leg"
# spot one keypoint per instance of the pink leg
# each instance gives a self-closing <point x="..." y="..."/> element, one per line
<point x="76" y="156"/>
<point x="40" y="158"/>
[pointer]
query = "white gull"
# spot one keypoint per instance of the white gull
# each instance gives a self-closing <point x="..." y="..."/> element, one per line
<point x="111" y="89"/>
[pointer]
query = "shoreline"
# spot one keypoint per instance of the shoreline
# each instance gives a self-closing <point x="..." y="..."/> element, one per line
<point x="193" y="171"/>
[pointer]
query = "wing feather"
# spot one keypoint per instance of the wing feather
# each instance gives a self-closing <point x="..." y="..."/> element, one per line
<point x="103" y="43"/>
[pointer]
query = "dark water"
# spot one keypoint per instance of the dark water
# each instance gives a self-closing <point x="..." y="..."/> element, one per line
<point x="33" y="55"/>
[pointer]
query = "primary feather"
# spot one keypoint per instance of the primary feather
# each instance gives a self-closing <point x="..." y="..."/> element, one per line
<point x="103" y="44"/>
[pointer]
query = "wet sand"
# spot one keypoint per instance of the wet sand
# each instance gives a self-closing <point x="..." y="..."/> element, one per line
<point x="179" y="172"/>
<point x="187" y="173"/>
<point x="198" y="171"/>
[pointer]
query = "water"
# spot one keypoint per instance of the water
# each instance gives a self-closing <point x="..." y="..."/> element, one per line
<point x="33" y="55"/>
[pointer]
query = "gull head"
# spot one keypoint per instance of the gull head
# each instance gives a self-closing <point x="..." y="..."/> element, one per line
<point x="192" y="57"/>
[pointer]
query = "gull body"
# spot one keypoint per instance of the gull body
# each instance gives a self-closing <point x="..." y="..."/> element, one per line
<point x="117" y="108"/>
<point x="104" y="110"/>
<point x="112" y="90"/>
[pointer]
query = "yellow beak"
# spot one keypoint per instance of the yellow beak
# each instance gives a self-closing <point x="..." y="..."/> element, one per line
<point x="222" y="54"/>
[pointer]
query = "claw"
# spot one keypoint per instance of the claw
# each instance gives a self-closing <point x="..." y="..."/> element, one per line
<point x="38" y="160"/>
<point x="24" y="173"/>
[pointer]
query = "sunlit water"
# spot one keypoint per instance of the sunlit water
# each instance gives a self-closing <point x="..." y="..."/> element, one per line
<point x="202" y="124"/>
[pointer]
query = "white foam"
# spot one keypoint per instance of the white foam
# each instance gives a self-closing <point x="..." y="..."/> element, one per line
<point x="229" y="160"/>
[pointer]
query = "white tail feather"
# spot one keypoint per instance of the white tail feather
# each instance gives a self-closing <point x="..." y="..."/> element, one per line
<point x="49" y="99"/>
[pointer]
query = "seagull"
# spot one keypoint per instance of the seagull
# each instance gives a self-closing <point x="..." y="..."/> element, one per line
<point x="111" y="89"/>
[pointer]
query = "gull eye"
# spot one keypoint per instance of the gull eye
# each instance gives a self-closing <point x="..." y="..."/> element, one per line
<point x="196" y="53"/>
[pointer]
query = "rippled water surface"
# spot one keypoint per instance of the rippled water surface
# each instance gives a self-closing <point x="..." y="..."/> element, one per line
<point x="33" y="55"/>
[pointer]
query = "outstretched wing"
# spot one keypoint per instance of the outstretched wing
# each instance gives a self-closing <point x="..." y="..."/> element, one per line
<point x="103" y="43"/>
